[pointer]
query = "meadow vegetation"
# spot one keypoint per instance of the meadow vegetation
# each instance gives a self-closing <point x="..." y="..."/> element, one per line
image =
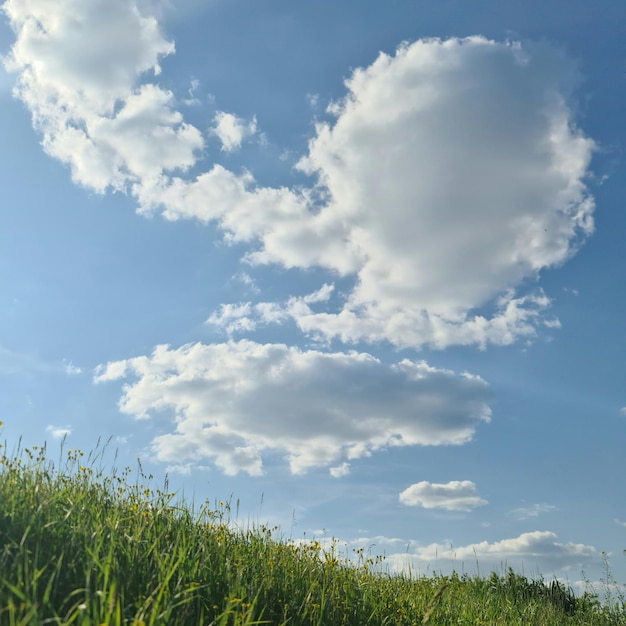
<point x="82" y="546"/>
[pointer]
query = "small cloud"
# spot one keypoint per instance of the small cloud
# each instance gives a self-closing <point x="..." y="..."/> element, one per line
<point x="110" y="371"/>
<point x="233" y="318"/>
<point x="58" y="432"/>
<point x="340" y="470"/>
<point x="313" y="100"/>
<point x="232" y="130"/>
<point x="622" y="411"/>
<point x="553" y="323"/>
<point x="285" y="155"/>
<point x="321" y="295"/>
<point x="379" y="540"/>
<point x="453" y="496"/>
<point x="71" y="369"/>
<point x="620" y="523"/>
<point x="248" y="281"/>
<point x="534" y="510"/>
<point x="192" y="100"/>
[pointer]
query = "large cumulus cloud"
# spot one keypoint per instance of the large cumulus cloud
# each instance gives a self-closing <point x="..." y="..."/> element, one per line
<point x="452" y="173"/>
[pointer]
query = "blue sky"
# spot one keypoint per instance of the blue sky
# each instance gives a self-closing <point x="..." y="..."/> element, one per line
<point x="358" y="265"/>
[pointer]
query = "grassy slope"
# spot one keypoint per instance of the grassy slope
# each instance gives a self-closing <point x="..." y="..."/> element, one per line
<point x="80" y="547"/>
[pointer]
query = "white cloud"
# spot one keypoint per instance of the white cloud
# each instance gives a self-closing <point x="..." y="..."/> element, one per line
<point x="455" y="495"/>
<point x="79" y="64"/>
<point x="233" y="402"/>
<point x="247" y="280"/>
<point x="112" y="371"/>
<point x="58" y="432"/>
<point x="538" y="548"/>
<point x="471" y="148"/>
<point x="82" y="55"/>
<point x="515" y="317"/>
<point x="340" y="470"/>
<point x="453" y="173"/>
<point x="623" y="410"/>
<point x="71" y="369"/>
<point x="379" y="540"/>
<point x="537" y="552"/>
<point x="534" y="510"/>
<point x="232" y="130"/>
<point x="553" y="323"/>
<point x="607" y="592"/>
<point x="192" y="100"/>
<point x="321" y="295"/>
<point x="233" y="318"/>
<point x="242" y="317"/>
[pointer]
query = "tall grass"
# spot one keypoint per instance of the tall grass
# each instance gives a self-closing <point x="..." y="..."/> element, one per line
<point x="81" y="546"/>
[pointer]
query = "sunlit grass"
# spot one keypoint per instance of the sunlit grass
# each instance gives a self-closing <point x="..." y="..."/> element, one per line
<point x="81" y="546"/>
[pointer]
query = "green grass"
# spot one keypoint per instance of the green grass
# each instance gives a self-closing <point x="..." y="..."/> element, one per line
<point x="78" y="546"/>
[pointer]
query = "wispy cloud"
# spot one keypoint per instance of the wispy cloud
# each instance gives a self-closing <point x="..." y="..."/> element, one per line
<point x="245" y="279"/>
<point x="13" y="362"/>
<point x="19" y="362"/>
<point x="533" y="510"/>
<point x="70" y="368"/>
<point x="192" y="100"/>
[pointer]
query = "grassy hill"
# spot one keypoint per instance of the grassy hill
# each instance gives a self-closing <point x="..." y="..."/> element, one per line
<point x="78" y="546"/>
